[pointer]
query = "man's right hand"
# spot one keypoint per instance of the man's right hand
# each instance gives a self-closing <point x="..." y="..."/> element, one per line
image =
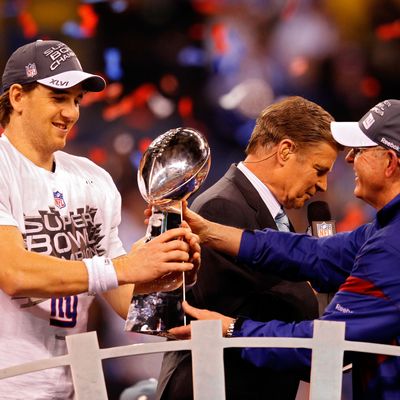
<point x="160" y="256"/>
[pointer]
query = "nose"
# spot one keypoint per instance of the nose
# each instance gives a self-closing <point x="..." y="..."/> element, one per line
<point x="70" y="111"/>
<point x="350" y="157"/>
<point x="322" y="184"/>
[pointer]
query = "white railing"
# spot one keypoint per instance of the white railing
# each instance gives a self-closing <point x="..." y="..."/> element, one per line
<point x="328" y="345"/>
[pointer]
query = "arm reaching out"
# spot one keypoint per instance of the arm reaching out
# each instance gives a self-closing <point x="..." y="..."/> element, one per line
<point x="184" y="332"/>
<point x="219" y="237"/>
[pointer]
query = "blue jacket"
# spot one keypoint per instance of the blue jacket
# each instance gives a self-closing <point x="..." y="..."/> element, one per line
<point x="363" y="266"/>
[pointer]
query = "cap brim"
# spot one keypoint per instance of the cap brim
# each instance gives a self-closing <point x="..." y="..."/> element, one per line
<point x="68" y="79"/>
<point x="349" y="134"/>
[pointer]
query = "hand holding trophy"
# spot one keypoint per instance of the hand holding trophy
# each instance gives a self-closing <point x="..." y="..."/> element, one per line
<point x="171" y="169"/>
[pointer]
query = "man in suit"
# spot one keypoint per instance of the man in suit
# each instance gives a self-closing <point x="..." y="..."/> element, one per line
<point x="291" y="135"/>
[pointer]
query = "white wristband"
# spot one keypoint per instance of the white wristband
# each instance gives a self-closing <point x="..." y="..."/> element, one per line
<point x="101" y="274"/>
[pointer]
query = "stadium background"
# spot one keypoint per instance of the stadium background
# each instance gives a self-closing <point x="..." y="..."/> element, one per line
<point x="211" y="65"/>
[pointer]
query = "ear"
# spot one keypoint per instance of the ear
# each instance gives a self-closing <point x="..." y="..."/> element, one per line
<point x="285" y="149"/>
<point x="392" y="163"/>
<point x="16" y="95"/>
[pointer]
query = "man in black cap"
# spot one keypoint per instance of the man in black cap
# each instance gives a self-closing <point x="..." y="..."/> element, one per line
<point x="59" y="217"/>
<point x="362" y="265"/>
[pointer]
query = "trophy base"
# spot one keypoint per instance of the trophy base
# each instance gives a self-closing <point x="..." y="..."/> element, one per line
<point x="155" y="313"/>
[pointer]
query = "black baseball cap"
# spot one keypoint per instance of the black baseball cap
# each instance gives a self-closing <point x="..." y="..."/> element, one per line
<point x="380" y="126"/>
<point x="51" y="63"/>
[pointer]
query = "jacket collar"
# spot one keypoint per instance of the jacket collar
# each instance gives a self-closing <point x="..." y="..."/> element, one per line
<point x="389" y="211"/>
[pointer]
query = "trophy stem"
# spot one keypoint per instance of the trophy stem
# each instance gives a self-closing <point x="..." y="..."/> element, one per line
<point x="155" y="313"/>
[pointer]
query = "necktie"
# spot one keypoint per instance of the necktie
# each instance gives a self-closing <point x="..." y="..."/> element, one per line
<point x="282" y="221"/>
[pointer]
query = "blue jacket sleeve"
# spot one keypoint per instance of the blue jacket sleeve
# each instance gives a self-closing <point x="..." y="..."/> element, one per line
<point x="325" y="262"/>
<point x="368" y="302"/>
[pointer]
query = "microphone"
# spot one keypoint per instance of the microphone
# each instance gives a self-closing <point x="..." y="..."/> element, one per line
<point x="320" y="220"/>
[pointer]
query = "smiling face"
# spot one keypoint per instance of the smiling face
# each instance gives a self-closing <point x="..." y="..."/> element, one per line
<point x="47" y="116"/>
<point x="305" y="173"/>
<point x="369" y="168"/>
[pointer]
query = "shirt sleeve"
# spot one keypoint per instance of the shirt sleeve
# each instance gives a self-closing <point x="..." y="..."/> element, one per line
<point x="366" y="302"/>
<point x="6" y="217"/>
<point x="325" y="262"/>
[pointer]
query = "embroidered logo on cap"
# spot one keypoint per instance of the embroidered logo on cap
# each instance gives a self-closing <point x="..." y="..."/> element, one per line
<point x="59" y="83"/>
<point x="368" y="121"/>
<point x="58" y="54"/>
<point x="31" y="70"/>
<point x="390" y="144"/>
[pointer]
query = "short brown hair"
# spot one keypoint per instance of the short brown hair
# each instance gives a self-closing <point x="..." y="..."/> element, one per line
<point x="293" y="118"/>
<point x="6" y="108"/>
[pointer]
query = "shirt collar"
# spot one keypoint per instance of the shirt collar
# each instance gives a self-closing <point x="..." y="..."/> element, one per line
<point x="266" y="195"/>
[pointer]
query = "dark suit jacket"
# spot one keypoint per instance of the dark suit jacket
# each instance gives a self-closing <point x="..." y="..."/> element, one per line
<point x="234" y="289"/>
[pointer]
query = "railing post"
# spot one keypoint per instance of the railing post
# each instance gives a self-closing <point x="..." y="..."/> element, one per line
<point x="86" y="366"/>
<point x="208" y="360"/>
<point x="327" y="360"/>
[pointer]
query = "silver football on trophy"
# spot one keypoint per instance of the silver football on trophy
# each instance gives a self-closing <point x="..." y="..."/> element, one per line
<point x="174" y="166"/>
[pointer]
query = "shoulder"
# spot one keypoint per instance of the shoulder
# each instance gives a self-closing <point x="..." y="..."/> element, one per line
<point x="223" y="207"/>
<point x="82" y="166"/>
<point x="226" y="188"/>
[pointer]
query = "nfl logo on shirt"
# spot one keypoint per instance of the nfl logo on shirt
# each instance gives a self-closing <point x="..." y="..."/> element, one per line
<point x="59" y="199"/>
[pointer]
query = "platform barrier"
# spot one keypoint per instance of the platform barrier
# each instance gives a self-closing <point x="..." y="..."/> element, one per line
<point x="207" y="344"/>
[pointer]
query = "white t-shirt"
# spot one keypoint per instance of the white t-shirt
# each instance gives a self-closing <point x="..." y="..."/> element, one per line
<point x="72" y="213"/>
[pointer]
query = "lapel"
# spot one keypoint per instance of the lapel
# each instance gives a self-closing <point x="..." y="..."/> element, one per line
<point x="253" y="199"/>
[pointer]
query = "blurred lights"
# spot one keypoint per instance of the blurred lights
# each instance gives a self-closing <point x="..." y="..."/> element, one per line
<point x="119" y="6"/>
<point x="299" y="66"/>
<point x="112" y="58"/>
<point x="161" y="106"/>
<point x="218" y="33"/>
<point x="370" y="87"/>
<point x="207" y="6"/>
<point x="144" y="144"/>
<point x="185" y="107"/>
<point x="169" y="84"/>
<point x="28" y="24"/>
<point x="86" y="28"/>
<point x="123" y="143"/>
<point x="135" y="158"/>
<point x="72" y="29"/>
<point x="192" y="56"/>
<point x="98" y="155"/>
<point x="111" y="92"/>
<point x="389" y="31"/>
<point x="89" y="19"/>
<point x="249" y="97"/>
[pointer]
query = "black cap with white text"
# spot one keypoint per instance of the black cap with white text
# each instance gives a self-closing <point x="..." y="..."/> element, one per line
<point x="380" y="126"/>
<point x="51" y="63"/>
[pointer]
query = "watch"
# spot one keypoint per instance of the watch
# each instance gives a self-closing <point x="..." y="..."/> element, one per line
<point x="231" y="328"/>
<point x="235" y="325"/>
